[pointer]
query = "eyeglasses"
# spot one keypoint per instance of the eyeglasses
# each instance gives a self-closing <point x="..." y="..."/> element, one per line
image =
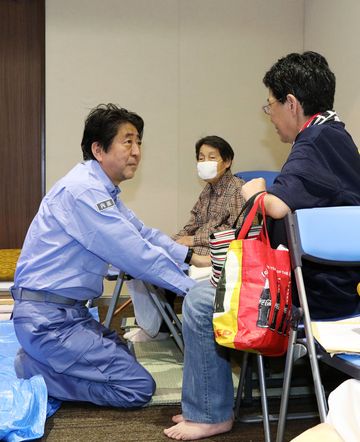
<point x="266" y="108"/>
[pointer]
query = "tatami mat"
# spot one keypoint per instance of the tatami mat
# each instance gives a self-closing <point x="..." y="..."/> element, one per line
<point x="164" y="361"/>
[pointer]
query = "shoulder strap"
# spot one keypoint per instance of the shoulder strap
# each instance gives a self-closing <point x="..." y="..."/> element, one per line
<point x="251" y="215"/>
<point x="246" y="208"/>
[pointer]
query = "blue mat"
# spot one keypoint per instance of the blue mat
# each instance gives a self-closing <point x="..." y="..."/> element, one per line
<point x="24" y="403"/>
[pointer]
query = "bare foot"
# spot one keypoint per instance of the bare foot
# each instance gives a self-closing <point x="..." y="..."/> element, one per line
<point x="177" y="418"/>
<point x="187" y="430"/>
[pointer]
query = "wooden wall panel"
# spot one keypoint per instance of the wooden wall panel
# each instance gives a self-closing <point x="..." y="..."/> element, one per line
<point x="22" y="98"/>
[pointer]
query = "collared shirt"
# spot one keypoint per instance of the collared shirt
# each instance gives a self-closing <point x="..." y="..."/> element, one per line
<point x="82" y="227"/>
<point x="217" y="208"/>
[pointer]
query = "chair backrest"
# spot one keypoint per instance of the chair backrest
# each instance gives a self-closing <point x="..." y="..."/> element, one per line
<point x="268" y="175"/>
<point x="326" y="234"/>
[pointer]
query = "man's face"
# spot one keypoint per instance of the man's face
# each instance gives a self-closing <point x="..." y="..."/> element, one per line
<point x="282" y="118"/>
<point x="123" y="156"/>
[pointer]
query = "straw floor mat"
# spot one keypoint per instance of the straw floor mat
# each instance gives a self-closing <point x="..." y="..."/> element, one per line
<point x="164" y="361"/>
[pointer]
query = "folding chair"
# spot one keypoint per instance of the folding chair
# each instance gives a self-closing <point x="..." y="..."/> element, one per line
<point x="268" y="175"/>
<point x="157" y="295"/>
<point x="331" y="236"/>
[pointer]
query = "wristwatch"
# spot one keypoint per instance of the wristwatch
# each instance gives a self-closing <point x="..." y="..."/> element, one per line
<point x="188" y="256"/>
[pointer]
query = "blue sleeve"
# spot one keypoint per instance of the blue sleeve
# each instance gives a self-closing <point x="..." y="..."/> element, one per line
<point x="176" y="251"/>
<point x="98" y="225"/>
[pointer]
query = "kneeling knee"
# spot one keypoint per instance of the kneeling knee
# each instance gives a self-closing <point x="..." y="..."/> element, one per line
<point x="145" y="391"/>
<point x="135" y="394"/>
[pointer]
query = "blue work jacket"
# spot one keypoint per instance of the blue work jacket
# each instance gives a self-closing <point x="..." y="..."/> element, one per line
<point x="81" y="227"/>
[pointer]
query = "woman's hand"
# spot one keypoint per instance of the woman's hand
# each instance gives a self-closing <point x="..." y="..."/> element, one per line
<point x="200" y="260"/>
<point x="186" y="241"/>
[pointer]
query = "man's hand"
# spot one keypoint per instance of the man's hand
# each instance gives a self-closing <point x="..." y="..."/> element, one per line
<point x="200" y="260"/>
<point x="253" y="186"/>
<point x="186" y="241"/>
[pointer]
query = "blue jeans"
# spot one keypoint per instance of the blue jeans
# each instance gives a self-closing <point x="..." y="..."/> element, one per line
<point x="208" y="391"/>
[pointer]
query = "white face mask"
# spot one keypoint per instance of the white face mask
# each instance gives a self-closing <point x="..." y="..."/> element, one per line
<point x="207" y="170"/>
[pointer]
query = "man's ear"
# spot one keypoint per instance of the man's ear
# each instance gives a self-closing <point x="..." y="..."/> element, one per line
<point x="97" y="151"/>
<point x="293" y="102"/>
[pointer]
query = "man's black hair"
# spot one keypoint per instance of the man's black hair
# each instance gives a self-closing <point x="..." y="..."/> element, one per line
<point x="102" y="125"/>
<point x="307" y="76"/>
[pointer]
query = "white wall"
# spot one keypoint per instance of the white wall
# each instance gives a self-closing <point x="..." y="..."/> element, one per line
<point x="332" y="28"/>
<point x="189" y="67"/>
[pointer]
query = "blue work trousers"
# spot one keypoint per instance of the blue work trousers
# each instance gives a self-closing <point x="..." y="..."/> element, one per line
<point x="207" y="391"/>
<point x="80" y="359"/>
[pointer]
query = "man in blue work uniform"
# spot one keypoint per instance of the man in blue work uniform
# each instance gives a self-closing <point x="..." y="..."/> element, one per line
<point x="80" y="228"/>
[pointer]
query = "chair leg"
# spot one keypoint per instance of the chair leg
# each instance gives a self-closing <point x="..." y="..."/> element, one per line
<point x="244" y="365"/>
<point x="114" y="299"/>
<point x="175" y="319"/>
<point x="160" y="303"/>
<point x="170" y="310"/>
<point x="286" y="385"/>
<point x="319" y="390"/>
<point x="264" y="404"/>
<point x="265" y="418"/>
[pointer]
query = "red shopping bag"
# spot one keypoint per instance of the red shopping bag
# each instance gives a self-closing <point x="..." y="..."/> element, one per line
<point x="253" y="298"/>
